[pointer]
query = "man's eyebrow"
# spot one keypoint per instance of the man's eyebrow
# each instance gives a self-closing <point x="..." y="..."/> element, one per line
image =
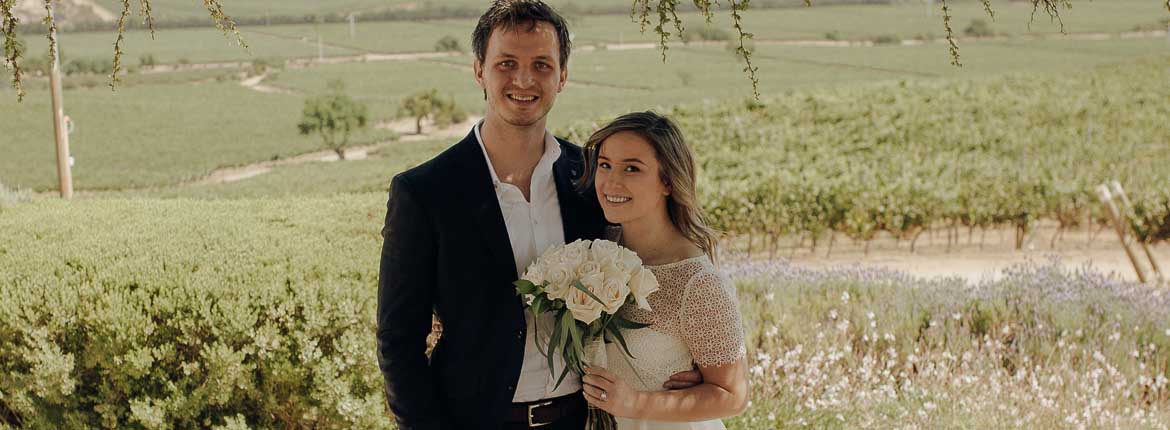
<point x="538" y="57"/>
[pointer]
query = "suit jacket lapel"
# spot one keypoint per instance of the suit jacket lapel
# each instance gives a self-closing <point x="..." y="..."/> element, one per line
<point x="484" y="207"/>
<point x="574" y="213"/>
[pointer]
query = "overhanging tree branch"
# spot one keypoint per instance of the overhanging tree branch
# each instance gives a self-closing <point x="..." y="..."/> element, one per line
<point x="640" y="12"/>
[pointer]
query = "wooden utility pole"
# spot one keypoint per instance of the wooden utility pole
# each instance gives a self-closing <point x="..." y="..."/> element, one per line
<point x="64" y="174"/>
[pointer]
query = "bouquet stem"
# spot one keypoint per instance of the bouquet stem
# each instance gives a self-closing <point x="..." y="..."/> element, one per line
<point x="595" y="355"/>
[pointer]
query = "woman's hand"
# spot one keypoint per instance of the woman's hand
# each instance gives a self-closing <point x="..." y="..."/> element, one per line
<point x="604" y="390"/>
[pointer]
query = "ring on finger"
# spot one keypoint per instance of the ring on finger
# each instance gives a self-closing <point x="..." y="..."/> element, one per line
<point x="603" y="395"/>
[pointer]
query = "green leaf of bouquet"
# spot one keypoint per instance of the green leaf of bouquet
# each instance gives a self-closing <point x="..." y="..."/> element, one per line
<point x="578" y="286"/>
<point x="577" y="339"/>
<point x="557" y="335"/>
<point x="627" y="324"/>
<point x="539" y="305"/>
<point x="526" y="287"/>
<point x="621" y="340"/>
<point x="562" y="378"/>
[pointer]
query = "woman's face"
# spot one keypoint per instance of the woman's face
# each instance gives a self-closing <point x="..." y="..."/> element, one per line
<point x="628" y="181"/>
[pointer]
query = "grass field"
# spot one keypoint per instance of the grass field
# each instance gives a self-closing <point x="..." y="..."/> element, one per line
<point x="318" y="179"/>
<point x="604" y="83"/>
<point x="144" y="153"/>
<point x="177" y="45"/>
<point x="168" y="133"/>
<point x="858" y="22"/>
<point x="257" y="9"/>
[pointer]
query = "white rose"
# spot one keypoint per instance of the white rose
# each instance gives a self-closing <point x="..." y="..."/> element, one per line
<point x="613" y="293"/>
<point x="642" y="285"/>
<point x="583" y="307"/>
<point x="604" y="250"/>
<point x="534" y="274"/>
<point x="613" y="270"/>
<point x="552" y="251"/>
<point x="575" y="252"/>
<point x="630" y="261"/>
<point x="580" y="245"/>
<point x="588" y="267"/>
<point x="560" y="278"/>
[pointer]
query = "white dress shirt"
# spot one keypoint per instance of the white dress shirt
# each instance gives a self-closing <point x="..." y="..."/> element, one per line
<point x="533" y="227"/>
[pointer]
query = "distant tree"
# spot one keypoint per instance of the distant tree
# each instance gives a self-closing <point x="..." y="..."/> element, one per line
<point x="979" y="28"/>
<point x="448" y="44"/>
<point x="147" y="60"/>
<point x="261" y="66"/>
<point x="428" y="104"/>
<point x="333" y="116"/>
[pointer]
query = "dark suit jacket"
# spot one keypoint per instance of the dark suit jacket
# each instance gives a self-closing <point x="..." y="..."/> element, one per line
<point x="447" y="250"/>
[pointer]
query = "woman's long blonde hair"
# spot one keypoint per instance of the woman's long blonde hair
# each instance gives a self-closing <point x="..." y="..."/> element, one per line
<point x="677" y="170"/>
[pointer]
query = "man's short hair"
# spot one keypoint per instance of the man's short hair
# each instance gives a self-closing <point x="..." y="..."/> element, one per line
<point x="508" y="14"/>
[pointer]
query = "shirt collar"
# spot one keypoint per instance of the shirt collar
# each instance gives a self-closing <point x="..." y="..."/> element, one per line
<point x="552" y="151"/>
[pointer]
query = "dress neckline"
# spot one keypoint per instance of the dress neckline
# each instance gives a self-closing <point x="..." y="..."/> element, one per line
<point x="675" y="263"/>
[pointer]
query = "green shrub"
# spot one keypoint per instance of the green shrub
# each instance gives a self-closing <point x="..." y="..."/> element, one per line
<point x="448" y="44"/>
<point x="704" y="31"/>
<point x="147" y="60"/>
<point x="979" y="28"/>
<point x="85" y="66"/>
<point x="190" y="314"/>
<point x="261" y="66"/>
<point x="887" y="39"/>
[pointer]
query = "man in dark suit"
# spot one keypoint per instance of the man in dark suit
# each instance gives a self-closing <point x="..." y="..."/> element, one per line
<point x="463" y="226"/>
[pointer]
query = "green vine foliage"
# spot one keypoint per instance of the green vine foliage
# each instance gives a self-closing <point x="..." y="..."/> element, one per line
<point x="13" y="50"/>
<point x="903" y="157"/>
<point x="13" y="53"/>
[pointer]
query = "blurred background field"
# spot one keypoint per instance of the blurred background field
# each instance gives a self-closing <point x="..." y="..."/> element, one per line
<point x="916" y="245"/>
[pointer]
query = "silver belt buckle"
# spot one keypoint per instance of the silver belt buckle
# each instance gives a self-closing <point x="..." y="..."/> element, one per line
<point x="531" y="408"/>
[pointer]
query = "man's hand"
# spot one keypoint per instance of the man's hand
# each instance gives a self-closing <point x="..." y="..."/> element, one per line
<point x="683" y="380"/>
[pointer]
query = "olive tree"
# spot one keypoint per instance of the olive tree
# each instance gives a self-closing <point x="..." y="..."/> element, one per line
<point x="333" y="116"/>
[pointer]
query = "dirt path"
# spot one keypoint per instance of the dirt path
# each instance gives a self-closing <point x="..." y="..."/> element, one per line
<point x="255" y="83"/>
<point x="406" y="127"/>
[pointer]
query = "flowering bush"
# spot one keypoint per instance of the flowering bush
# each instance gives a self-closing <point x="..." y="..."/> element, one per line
<point x="1041" y="347"/>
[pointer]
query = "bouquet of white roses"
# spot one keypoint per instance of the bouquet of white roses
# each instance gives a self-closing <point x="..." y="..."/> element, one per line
<point x="583" y="284"/>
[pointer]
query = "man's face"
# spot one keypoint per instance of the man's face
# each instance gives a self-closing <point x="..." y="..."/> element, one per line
<point x="521" y="74"/>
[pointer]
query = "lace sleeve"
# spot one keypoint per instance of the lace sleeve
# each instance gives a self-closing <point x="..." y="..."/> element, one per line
<point x="712" y="324"/>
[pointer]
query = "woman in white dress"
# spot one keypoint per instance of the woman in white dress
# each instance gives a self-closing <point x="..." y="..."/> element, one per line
<point x="644" y="176"/>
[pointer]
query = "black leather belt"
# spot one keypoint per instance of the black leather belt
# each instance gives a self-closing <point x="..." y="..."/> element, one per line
<point x="545" y="411"/>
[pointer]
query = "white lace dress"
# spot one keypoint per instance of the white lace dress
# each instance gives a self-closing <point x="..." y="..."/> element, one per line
<point x="694" y="318"/>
